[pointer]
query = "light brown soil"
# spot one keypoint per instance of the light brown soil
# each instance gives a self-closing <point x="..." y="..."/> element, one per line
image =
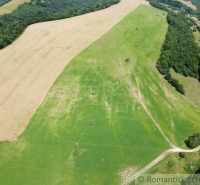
<point x="189" y="4"/>
<point x="33" y="62"/>
<point x="12" y="5"/>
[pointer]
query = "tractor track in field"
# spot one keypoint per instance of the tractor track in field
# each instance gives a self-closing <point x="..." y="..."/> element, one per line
<point x="31" y="64"/>
<point x="173" y="149"/>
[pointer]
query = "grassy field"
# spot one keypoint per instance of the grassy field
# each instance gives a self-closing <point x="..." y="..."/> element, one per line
<point x="12" y="5"/>
<point x="95" y="102"/>
<point x="191" y="86"/>
<point x="197" y="37"/>
<point x="174" y="164"/>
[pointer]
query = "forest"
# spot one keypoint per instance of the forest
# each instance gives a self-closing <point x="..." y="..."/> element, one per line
<point x="179" y="50"/>
<point x="12" y="25"/>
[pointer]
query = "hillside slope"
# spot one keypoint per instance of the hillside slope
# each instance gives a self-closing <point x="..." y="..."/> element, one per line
<point x="32" y="63"/>
<point x="110" y="100"/>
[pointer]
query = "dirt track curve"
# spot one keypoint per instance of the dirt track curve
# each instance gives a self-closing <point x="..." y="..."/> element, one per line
<point x="173" y="149"/>
<point x="154" y="162"/>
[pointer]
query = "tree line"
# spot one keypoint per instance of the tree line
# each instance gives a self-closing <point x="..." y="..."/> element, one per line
<point x="179" y="50"/>
<point x="193" y="141"/>
<point x="13" y="24"/>
<point x="3" y="2"/>
<point x="175" y="83"/>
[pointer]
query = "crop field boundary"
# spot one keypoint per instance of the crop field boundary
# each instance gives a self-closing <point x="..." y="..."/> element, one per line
<point x="27" y="75"/>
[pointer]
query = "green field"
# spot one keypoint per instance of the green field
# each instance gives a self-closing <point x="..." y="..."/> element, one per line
<point x="197" y="37"/>
<point x="95" y="102"/>
<point x="174" y="164"/>
<point x="12" y="5"/>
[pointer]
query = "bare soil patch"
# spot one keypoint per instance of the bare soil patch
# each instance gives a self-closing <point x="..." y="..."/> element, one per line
<point x="189" y="4"/>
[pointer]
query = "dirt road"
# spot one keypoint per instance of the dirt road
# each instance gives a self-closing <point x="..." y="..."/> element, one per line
<point x="154" y="162"/>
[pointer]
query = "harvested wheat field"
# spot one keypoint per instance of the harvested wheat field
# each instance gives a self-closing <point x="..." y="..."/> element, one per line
<point x="33" y="62"/>
<point x="189" y="4"/>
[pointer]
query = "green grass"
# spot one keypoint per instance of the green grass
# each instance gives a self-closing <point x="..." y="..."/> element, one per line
<point x="95" y="102"/>
<point x="179" y="165"/>
<point x="10" y="6"/>
<point x="197" y="37"/>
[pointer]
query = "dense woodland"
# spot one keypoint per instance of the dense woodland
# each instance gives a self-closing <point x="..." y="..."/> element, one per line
<point x="13" y="24"/>
<point x="179" y="50"/>
<point x="2" y="2"/>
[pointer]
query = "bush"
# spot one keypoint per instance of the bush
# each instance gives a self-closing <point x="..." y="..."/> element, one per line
<point x="182" y="154"/>
<point x="175" y="83"/>
<point x="168" y="77"/>
<point x="180" y="88"/>
<point x="163" y="67"/>
<point x="76" y="152"/>
<point x="193" y="141"/>
<point x="127" y="60"/>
